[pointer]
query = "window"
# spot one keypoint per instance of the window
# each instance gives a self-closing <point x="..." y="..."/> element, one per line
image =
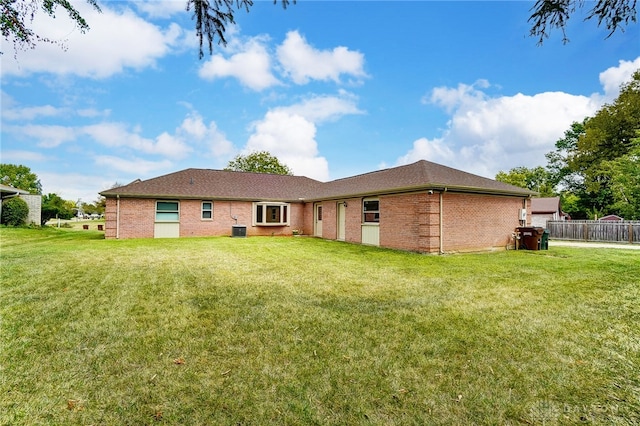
<point x="207" y="210"/>
<point x="270" y="214"/>
<point x="371" y="211"/>
<point x="167" y="211"/>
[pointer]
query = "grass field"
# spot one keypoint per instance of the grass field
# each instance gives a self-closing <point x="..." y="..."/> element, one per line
<point x="298" y="331"/>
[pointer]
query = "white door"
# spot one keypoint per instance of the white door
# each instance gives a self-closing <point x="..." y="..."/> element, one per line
<point x="341" y="221"/>
<point x="317" y="220"/>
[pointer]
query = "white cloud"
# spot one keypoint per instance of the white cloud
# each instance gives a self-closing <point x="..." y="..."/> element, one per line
<point x="140" y="166"/>
<point x="213" y="140"/>
<point x="612" y="78"/>
<point x="30" y="113"/>
<point x="117" y="39"/>
<point x="72" y="186"/>
<point x="251" y="65"/>
<point x="117" y="135"/>
<point x="161" y="9"/>
<point x="487" y="134"/>
<point x="19" y="156"/>
<point x="325" y="108"/>
<point x="291" y="138"/>
<point x="48" y="136"/>
<point x="302" y="62"/>
<point x="289" y="132"/>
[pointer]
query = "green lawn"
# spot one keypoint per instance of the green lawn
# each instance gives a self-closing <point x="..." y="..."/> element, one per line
<point x="224" y="331"/>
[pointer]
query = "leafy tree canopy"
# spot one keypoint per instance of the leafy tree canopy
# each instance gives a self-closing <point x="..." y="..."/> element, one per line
<point x="213" y="16"/>
<point x="548" y="15"/>
<point x="537" y="179"/>
<point x="599" y="160"/>
<point x="258" y="162"/>
<point x="55" y="207"/>
<point x="211" y="19"/>
<point x="20" y="177"/>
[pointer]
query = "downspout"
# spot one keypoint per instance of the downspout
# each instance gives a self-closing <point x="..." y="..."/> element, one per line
<point x="441" y="220"/>
<point x="118" y="217"/>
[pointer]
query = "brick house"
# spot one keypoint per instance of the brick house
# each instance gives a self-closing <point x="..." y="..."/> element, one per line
<point x="423" y="207"/>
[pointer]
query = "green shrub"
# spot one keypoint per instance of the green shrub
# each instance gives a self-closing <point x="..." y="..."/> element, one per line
<point x="14" y="211"/>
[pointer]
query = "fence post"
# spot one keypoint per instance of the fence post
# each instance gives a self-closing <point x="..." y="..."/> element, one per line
<point x="630" y="234"/>
<point x="585" y="232"/>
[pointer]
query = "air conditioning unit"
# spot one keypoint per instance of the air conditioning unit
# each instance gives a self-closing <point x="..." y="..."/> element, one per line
<point x="523" y="214"/>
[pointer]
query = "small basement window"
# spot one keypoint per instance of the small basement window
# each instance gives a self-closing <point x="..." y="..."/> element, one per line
<point x="167" y="211"/>
<point x="371" y="211"/>
<point x="270" y="214"/>
<point x="207" y="210"/>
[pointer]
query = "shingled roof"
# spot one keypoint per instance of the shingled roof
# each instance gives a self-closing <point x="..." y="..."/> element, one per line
<point x="421" y="175"/>
<point x="220" y="184"/>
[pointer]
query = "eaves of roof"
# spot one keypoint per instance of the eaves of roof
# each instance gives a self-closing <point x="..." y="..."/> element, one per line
<point x="241" y="186"/>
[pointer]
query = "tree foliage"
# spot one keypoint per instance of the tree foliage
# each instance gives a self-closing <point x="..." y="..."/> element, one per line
<point x="55" y="207"/>
<point x="258" y="162"/>
<point x="536" y="179"/>
<point x="211" y="19"/>
<point x="14" y="211"/>
<point x="598" y="160"/>
<point x="548" y="15"/>
<point x="17" y="16"/>
<point x="21" y="177"/>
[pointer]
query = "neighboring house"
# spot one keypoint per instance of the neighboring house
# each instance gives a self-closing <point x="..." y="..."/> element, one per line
<point x="611" y="218"/>
<point x="544" y="209"/>
<point x="34" y="201"/>
<point x="423" y="207"/>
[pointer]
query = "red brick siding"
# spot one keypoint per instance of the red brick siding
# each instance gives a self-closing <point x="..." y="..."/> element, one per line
<point x="137" y="219"/>
<point x="410" y="222"/>
<point x="478" y="222"/>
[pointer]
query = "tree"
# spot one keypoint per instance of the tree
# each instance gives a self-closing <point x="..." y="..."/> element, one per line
<point x="597" y="159"/>
<point x="258" y="162"/>
<point x="212" y="16"/>
<point x="554" y="14"/>
<point x="537" y="179"/>
<point x="624" y="182"/>
<point x="19" y="176"/>
<point x="15" y="211"/>
<point x="211" y="19"/>
<point x="18" y="14"/>
<point x="55" y="207"/>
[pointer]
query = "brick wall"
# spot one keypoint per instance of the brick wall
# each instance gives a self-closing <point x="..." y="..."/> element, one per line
<point x="479" y="222"/>
<point x="412" y="221"/>
<point x="137" y="219"/>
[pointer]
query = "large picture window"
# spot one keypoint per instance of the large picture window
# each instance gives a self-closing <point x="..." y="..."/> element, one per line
<point x="207" y="210"/>
<point x="167" y="211"/>
<point x="371" y="211"/>
<point x="270" y="214"/>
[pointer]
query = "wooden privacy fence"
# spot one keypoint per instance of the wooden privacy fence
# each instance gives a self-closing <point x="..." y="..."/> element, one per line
<point x="627" y="231"/>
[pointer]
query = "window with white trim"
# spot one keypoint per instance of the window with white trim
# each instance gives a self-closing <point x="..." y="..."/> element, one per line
<point x="371" y="211"/>
<point x="270" y="214"/>
<point x="207" y="210"/>
<point x="167" y="211"/>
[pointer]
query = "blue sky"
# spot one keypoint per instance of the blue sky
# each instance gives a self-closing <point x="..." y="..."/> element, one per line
<point x="332" y="88"/>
